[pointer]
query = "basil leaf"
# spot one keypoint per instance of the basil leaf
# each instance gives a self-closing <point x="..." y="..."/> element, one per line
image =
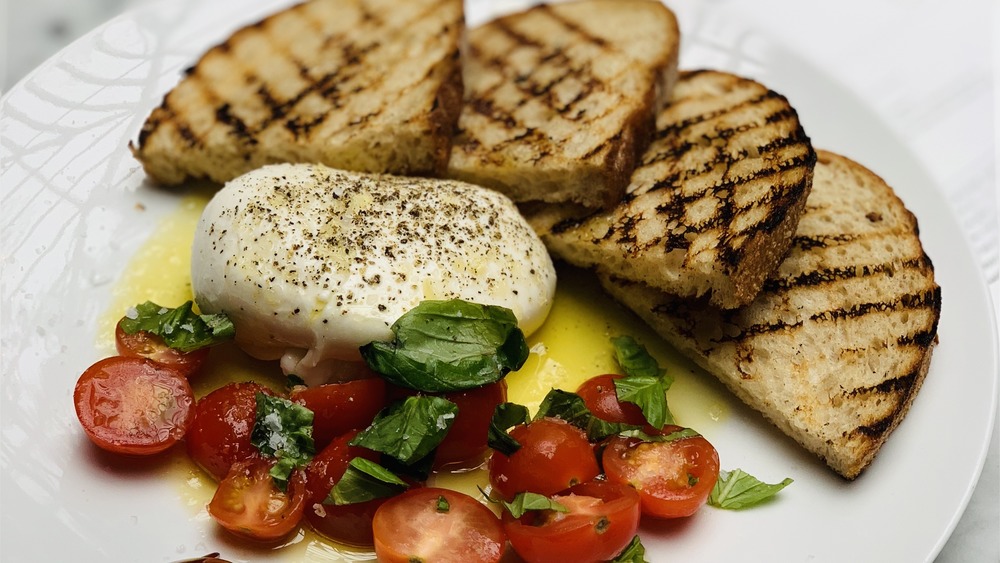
<point x="364" y="480"/>
<point x="736" y="490"/>
<point x="571" y="408"/>
<point x="634" y="359"/>
<point x="672" y="437"/>
<point x="179" y="328"/>
<point x="523" y="502"/>
<point x="409" y="430"/>
<point x="453" y="345"/>
<point x="644" y="384"/>
<point x="283" y="430"/>
<point x="505" y="416"/>
<point x="634" y="552"/>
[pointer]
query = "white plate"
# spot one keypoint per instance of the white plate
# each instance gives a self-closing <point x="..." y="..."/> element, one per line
<point x="71" y="219"/>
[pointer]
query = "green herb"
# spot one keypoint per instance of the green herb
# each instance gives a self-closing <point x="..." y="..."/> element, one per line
<point x="409" y="430"/>
<point x="505" y="416"/>
<point x="571" y="408"/>
<point x="364" y="480"/>
<point x="645" y="384"/>
<point x="179" y="328"/>
<point x="453" y="345"/>
<point x="736" y="490"/>
<point x="283" y="430"/>
<point x="442" y="504"/>
<point x="634" y="552"/>
<point x="671" y="437"/>
<point x="527" y="501"/>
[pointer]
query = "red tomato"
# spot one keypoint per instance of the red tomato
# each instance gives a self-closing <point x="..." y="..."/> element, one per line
<point x="144" y="344"/>
<point x="419" y="526"/>
<point x="339" y="407"/>
<point x="554" y="455"/>
<point x="220" y="435"/>
<point x="133" y="405"/>
<point x="598" y="393"/>
<point x="465" y="445"/>
<point x="673" y="478"/>
<point x="602" y="519"/>
<point x="249" y="504"/>
<point x="349" y="523"/>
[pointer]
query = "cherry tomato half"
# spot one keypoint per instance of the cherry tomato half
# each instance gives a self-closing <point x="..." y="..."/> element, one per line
<point x="248" y="504"/>
<point x="440" y="525"/>
<point x="465" y="444"/>
<point x="601" y="519"/>
<point x="673" y="478"/>
<point x="144" y="344"/>
<point x="133" y="405"/>
<point x="223" y="422"/>
<point x="339" y="407"/>
<point x="350" y="523"/>
<point x="554" y="455"/>
<point x="598" y="393"/>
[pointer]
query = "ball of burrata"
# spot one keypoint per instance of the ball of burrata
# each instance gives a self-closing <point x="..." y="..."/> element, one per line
<point x="311" y="263"/>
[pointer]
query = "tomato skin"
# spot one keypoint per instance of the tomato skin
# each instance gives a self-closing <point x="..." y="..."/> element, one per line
<point x="133" y="406"/>
<point x="223" y="422"/>
<point x="598" y="394"/>
<point x="673" y="479"/>
<point x="144" y="344"/>
<point x="339" y="407"/>
<point x="603" y="518"/>
<point x="465" y="445"/>
<point x="351" y="523"/>
<point x="248" y="504"/>
<point x="554" y="455"/>
<point x="410" y="527"/>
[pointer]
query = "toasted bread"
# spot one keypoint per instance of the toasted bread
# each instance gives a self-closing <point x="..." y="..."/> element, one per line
<point x="714" y="204"/>
<point x="561" y="99"/>
<point x="366" y="85"/>
<point x="837" y="344"/>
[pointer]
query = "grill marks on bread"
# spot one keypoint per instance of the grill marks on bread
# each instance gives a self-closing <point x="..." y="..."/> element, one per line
<point x="358" y="84"/>
<point x="560" y="102"/>
<point x="838" y="342"/>
<point x="712" y="207"/>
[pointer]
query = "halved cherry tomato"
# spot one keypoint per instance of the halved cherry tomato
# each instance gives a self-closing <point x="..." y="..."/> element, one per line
<point x="598" y="393"/>
<point x="673" y="478"/>
<point x="349" y="523"/>
<point x="339" y="407"/>
<point x="250" y="505"/>
<point x="144" y="344"/>
<point x="223" y="422"/>
<point x="554" y="455"/>
<point x="602" y="519"/>
<point x="133" y="405"/>
<point x="465" y="444"/>
<point x="440" y="525"/>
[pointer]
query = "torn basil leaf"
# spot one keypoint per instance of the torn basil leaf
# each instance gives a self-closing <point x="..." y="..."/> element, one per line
<point x="634" y="552"/>
<point x="409" y="430"/>
<point x="571" y="408"/>
<point x="283" y="430"/>
<point x="645" y="384"/>
<point x="737" y="489"/>
<point x="506" y="416"/>
<point x="364" y="480"/>
<point x="526" y="501"/>
<point x="673" y="436"/>
<point x="180" y="328"/>
<point x="452" y="345"/>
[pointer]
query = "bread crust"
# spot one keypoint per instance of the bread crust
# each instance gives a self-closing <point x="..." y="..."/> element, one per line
<point x="364" y="85"/>
<point x="838" y="343"/>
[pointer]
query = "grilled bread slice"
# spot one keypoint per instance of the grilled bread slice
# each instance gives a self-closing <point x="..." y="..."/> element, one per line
<point x="837" y="344"/>
<point x="714" y="204"/>
<point x="367" y="85"/>
<point x="561" y="99"/>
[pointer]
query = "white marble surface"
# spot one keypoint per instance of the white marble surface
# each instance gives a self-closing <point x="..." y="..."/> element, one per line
<point x="928" y="66"/>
